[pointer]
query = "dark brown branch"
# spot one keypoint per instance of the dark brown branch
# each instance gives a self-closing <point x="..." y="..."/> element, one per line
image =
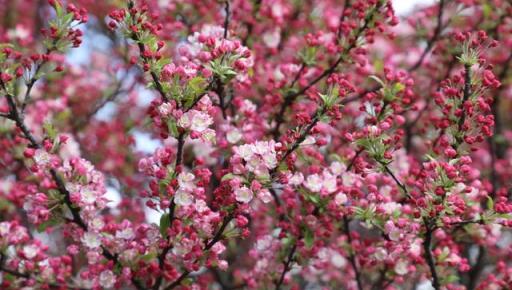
<point x="432" y="41"/>
<point x="30" y="85"/>
<point x="220" y="91"/>
<point x="12" y="272"/>
<point x="287" y="266"/>
<point x="400" y="184"/>
<point x="101" y="104"/>
<point x="459" y="138"/>
<point x="351" y="256"/>
<point x="428" y="255"/>
<point x="153" y="74"/>
<point x="18" y="118"/>
<point x="427" y="242"/>
<point x="333" y="67"/>
<point x="179" y="154"/>
<point x="249" y="25"/>
<point x="476" y="269"/>
<point x="297" y="76"/>
<point x="226" y="18"/>
<point x="304" y="134"/>
<point x="172" y="208"/>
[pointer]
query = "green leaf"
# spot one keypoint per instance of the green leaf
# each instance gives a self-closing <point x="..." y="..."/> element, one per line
<point x="162" y="62"/>
<point x="8" y="277"/>
<point x="487" y="10"/>
<point x="58" y="9"/>
<point x="55" y="147"/>
<point x="313" y="198"/>
<point x="196" y="85"/>
<point x="165" y="223"/>
<point x="330" y="98"/>
<point x="173" y="129"/>
<point x="187" y="281"/>
<point x="378" y="65"/>
<point x="47" y="224"/>
<point x="67" y="19"/>
<point x="54" y="194"/>
<point x="378" y="80"/>
<point x="504" y="215"/>
<point x="224" y="72"/>
<point x="444" y="254"/>
<point x="289" y="91"/>
<point x="450" y="279"/>
<point x="227" y="177"/>
<point x="148" y="257"/>
<point x="398" y="87"/>
<point x="309" y="238"/>
<point x="490" y="203"/>
<point x="308" y="56"/>
<point x="227" y="75"/>
<point x="50" y="130"/>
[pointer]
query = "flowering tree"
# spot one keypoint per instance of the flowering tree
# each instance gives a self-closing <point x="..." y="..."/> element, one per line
<point x="321" y="144"/>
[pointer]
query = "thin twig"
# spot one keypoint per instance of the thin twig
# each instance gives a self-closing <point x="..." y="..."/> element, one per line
<point x="437" y="32"/>
<point x="226" y="18"/>
<point x="432" y="41"/>
<point x="287" y="266"/>
<point x="427" y="242"/>
<point x="342" y="19"/>
<point x="352" y="162"/>
<point x="290" y="98"/>
<point x="428" y="255"/>
<point x="217" y="237"/>
<point x="7" y="116"/>
<point x="146" y="61"/>
<point x="351" y="256"/>
<point x="30" y="84"/>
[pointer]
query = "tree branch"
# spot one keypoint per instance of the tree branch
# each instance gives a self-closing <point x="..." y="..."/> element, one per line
<point x="428" y="255"/>
<point x="290" y="98"/>
<point x="351" y="256"/>
<point x="20" y="123"/>
<point x="432" y="41"/>
<point x="287" y="266"/>
<point x="226" y="18"/>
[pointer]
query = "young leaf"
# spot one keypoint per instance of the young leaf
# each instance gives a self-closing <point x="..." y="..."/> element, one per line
<point x="165" y="223"/>
<point x="309" y="238"/>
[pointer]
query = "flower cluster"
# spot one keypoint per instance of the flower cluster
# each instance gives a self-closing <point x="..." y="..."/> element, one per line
<point x="30" y="258"/>
<point x="257" y="158"/>
<point x="227" y="57"/>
